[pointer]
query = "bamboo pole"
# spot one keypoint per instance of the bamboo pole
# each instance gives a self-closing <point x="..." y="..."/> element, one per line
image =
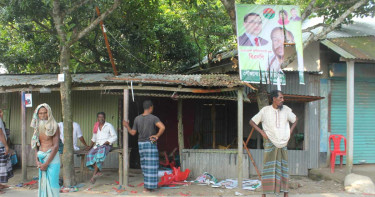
<point x="23" y="137"/>
<point x="181" y="144"/>
<point x="240" y="136"/>
<point x="107" y="43"/>
<point x="125" y="140"/>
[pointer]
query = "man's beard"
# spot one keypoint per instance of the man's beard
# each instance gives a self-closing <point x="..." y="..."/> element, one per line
<point x="280" y="107"/>
<point x="42" y="126"/>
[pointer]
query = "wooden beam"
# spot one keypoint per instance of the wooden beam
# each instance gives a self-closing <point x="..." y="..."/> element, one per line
<point x="213" y="120"/>
<point x="181" y="144"/>
<point x="350" y="114"/>
<point x="23" y="137"/>
<point x="240" y="136"/>
<point x="159" y="88"/>
<point x="125" y="139"/>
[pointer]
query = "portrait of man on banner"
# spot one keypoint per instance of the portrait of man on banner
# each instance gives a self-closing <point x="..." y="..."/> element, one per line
<point x="263" y="32"/>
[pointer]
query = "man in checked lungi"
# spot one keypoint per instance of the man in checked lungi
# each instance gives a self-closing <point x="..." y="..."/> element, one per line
<point x="104" y="135"/>
<point x="149" y="128"/>
<point x="5" y="165"/>
<point x="276" y="132"/>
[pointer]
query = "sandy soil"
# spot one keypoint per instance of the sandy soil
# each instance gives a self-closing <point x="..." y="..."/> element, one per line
<point x="104" y="186"/>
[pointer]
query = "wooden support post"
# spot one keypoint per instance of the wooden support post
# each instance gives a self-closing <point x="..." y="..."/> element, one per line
<point x="213" y="120"/>
<point x="240" y="136"/>
<point x="350" y="114"/>
<point x="125" y="140"/>
<point x="23" y="137"/>
<point x="181" y="144"/>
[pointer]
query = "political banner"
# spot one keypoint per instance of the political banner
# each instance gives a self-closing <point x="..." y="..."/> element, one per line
<point x="266" y="36"/>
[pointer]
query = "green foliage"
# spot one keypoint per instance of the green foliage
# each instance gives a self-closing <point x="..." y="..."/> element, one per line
<point x="155" y="36"/>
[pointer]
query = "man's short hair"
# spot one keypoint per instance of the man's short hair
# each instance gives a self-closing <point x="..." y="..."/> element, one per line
<point x="276" y="29"/>
<point x="147" y="104"/>
<point x="275" y="94"/>
<point x="249" y="14"/>
<point x="100" y="113"/>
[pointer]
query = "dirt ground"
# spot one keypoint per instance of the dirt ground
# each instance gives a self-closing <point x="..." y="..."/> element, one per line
<point x="105" y="186"/>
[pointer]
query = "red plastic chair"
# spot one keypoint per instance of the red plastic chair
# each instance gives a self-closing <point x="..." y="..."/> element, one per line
<point x="336" y="150"/>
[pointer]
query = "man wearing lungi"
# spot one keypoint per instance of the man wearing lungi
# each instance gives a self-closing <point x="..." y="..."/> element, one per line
<point x="6" y="171"/>
<point x="147" y="125"/>
<point x="45" y="140"/>
<point x="104" y="135"/>
<point x="276" y="132"/>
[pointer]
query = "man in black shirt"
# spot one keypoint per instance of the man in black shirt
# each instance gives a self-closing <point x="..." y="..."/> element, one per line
<point x="149" y="128"/>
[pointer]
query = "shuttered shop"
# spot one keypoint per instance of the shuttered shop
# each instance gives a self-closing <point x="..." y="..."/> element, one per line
<point x="364" y="117"/>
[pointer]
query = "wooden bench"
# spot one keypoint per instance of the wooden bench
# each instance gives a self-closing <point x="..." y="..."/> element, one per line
<point x="84" y="170"/>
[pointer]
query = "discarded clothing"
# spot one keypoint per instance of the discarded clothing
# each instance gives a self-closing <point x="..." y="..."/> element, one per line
<point x="97" y="155"/>
<point x="149" y="157"/>
<point x="275" y="171"/>
<point x="49" y="179"/>
<point x="233" y="183"/>
<point x="6" y="171"/>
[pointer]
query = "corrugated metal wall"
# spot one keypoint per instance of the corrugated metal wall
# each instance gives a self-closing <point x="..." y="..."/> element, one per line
<point x="220" y="165"/>
<point x="85" y="106"/>
<point x="364" y="116"/>
<point x="199" y="162"/>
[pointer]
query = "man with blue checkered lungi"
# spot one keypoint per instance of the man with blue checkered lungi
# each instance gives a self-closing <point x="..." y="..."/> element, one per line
<point x="149" y="128"/>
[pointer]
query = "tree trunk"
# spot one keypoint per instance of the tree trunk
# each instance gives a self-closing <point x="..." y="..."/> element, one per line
<point x="230" y="8"/>
<point x="66" y="104"/>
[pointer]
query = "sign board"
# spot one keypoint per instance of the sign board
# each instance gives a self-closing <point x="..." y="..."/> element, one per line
<point x="28" y="100"/>
<point x="266" y="36"/>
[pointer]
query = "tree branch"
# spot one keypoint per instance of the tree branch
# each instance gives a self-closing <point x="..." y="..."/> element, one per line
<point x="58" y="20"/>
<point x="75" y="6"/>
<point x="44" y="26"/>
<point x="315" y="37"/>
<point x="78" y="36"/>
<point x="308" y="10"/>
<point x="313" y="27"/>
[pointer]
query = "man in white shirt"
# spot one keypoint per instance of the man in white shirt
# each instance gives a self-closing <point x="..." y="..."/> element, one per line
<point x="77" y="134"/>
<point x="104" y="136"/>
<point x="276" y="132"/>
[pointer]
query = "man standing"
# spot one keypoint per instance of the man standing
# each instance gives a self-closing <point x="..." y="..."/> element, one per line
<point x="77" y="134"/>
<point x="276" y="132"/>
<point x="253" y="26"/>
<point x="5" y="165"/>
<point x="146" y="125"/>
<point x="103" y="138"/>
<point x="45" y="140"/>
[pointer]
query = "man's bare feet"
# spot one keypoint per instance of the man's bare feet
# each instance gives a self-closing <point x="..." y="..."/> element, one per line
<point x="285" y="194"/>
<point x="145" y="190"/>
<point x="93" y="180"/>
<point x="2" y="192"/>
<point x="263" y="195"/>
<point x="3" y="186"/>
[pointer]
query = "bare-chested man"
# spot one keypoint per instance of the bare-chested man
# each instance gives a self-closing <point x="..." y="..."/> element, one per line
<point x="46" y="143"/>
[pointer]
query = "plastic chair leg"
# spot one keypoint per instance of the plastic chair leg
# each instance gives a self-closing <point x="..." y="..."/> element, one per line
<point x="333" y="157"/>
<point x="341" y="157"/>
